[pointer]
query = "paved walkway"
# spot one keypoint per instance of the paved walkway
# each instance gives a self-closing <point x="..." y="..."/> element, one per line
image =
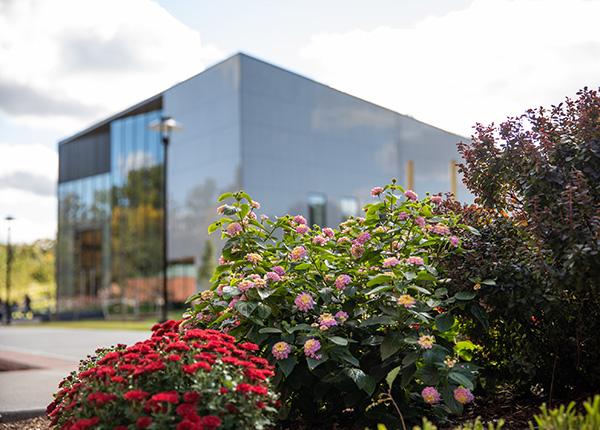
<point x="51" y="353"/>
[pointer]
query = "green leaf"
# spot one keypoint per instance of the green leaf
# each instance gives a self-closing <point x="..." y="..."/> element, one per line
<point x="383" y="319"/>
<point x="362" y="380"/>
<point x="488" y="282"/>
<point x="339" y="340"/>
<point x="391" y="344"/>
<point x="246" y="308"/>
<point x="478" y="312"/>
<point x="379" y="289"/>
<point x="269" y="330"/>
<point x="346" y="356"/>
<point x="410" y="358"/>
<point x="465" y="295"/>
<point x="378" y="280"/>
<point x="287" y="365"/>
<point x="298" y="327"/>
<point x="313" y="364"/>
<point x="465" y="349"/>
<point x="440" y="292"/>
<point x="214" y="227"/>
<point x="461" y="379"/>
<point x="224" y="196"/>
<point x="302" y="266"/>
<point x="391" y="376"/>
<point x="444" y="322"/>
<point x="263" y="311"/>
<point x="409" y="275"/>
<point x="264" y="293"/>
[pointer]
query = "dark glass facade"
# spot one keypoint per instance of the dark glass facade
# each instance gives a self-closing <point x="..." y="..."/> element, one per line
<point x="293" y="144"/>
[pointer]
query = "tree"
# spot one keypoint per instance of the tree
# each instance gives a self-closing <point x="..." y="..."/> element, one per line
<point x="207" y="264"/>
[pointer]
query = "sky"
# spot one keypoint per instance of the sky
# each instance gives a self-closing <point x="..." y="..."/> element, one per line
<point x="65" y="64"/>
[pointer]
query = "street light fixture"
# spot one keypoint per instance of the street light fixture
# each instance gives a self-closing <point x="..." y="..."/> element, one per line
<point x="165" y="126"/>
<point x="9" y="258"/>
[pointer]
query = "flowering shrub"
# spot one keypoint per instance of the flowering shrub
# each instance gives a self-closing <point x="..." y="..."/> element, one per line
<point x="537" y="176"/>
<point x="338" y="310"/>
<point x="193" y="380"/>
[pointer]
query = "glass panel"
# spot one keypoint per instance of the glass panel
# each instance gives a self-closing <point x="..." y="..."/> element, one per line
<point x="316" y="209"/>
<point x="137" y="212"/>
<point x="348" y="207"/>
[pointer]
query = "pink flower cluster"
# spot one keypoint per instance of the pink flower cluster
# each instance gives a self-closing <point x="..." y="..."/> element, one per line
<point x="430" y="395"/>
<point x="327" y="321"/>
<point x="304" y="302"/>
<point x="342" y="281"/>
<point x="463" y="395"/>
<point x="411" y="195"/>
<point x="298" y="253"/>
<point x="375" y="191"/>
<point x="391" y="262"/>
<point x="311" y="346"/>
<point x="281" y="350"/>
<point x="417" y="261"/>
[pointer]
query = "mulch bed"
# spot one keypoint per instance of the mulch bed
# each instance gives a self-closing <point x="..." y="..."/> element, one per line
<point x="40" y="423"/>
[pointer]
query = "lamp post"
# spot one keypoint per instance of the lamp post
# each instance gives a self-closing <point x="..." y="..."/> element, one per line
<point x="165" y="126"/>
<point x="9" y="257"/>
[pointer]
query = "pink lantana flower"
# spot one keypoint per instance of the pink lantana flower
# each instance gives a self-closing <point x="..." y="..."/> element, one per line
<point x="254" y="258"/>
<point x="327" y="321"/>
<point x="299" y="219"/>
<point x="403" y="216"/>
<point x="437" y="199"/>
<point x="430" y="395"/>
<point x="341" y="316"/>
<point x="463" y="395"/>
<point x="298" y="253"/>
<point x="426" y="341"/>
<point x="411" y="195"/>
<point x="420" y="221"/>
<point x="406" y="300"/>
<point x="391" y="262"/>
<point x="281" y="350"/>
<point x="342" y="281"/>
<point x="328" y="232"/>
<point x="417" y="261"/>
<point x="454" y="240"/>
<point x="279" y="270"/>
<point x="375" y="191"/>
<point x="233" y="229"/>
<point x="304" y="302"/>
<point x="320" y="240"/>
<point x="311" y="346"/>
<point x="302" y="229"/>
<point x="273" y="277"/>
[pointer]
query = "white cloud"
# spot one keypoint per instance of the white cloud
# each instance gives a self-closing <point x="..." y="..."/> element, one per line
<point x="480" y="64"/>
<point x="69" y="62"/>
<point x="28" y="176"/>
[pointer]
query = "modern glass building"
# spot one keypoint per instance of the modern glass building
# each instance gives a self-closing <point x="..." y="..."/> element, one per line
<point x="293" y="144"/>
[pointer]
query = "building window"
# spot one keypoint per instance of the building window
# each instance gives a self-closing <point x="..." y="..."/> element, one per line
<point x="317" y="209"/>
<point x="348" y="207"/>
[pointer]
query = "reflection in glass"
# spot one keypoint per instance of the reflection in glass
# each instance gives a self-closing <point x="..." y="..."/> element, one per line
<point x="317" y="209"/>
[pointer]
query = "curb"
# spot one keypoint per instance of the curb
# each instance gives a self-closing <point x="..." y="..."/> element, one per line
<point x="11" y="416"/>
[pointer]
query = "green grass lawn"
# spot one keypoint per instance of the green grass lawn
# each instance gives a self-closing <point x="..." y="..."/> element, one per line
<point x="144" y="324"/>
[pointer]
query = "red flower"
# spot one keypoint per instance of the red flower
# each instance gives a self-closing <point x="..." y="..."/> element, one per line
<point x="194" y="367"/>
<point x="85" y="423"/>
<point x="211" y="422"/>
<point x="188" y="411"/>
<point x="134" y="395"/>
<point x="143" y="422"/>
<point x="249" y="346"/>
<point x="189" y="425"/>
<point x="174" y="357"/>
<point x="100" y="398"/>
<point x="166" y="396"/>
<point x="191" y="397"/>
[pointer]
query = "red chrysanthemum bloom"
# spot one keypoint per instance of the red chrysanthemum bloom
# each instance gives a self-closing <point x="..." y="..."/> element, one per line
<point x="166" y="396"/>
